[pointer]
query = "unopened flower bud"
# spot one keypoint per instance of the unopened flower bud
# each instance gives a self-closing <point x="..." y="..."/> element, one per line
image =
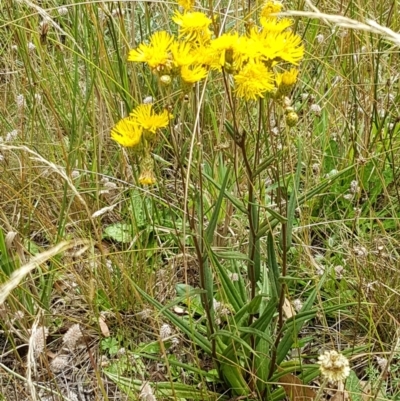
<point x="292" y="119"/>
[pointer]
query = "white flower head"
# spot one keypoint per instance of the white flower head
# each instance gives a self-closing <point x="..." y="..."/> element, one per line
<point x="38" y="97"/>
<point x="148" y="100"/>
<point x="316" y="109"/>
<point x="117" y="13"/>
<point x="11" y="135"/>
<point x="354" y="188"/>
<point x="234" y="277"/>
<point x="31" y="47"/>
<point x="297" y="304"/>
<point x="334" y="366"/>
<point x="320" y="38"/>
<point x="62" y="11"/>
<point x="21" y="102"/>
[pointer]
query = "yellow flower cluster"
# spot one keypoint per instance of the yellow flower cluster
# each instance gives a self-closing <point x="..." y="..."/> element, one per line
<point x="252" y="59"/>
<point x="143" y="120"/>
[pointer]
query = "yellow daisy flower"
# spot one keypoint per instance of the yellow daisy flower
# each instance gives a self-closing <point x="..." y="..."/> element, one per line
<point x="182" y="54"/>
<point x="290" y="47"/>
<point x="157" y="53"/>
<point x="147" y="177"/>
<point x="225" y="47"/>
<point x="248" y="50"/>
<point x="193" y="74"/>
<point x="127" y="132"/>
<point x="204" y="55"/>
<point x="186" y="4"/>
<point x="278" y="46"/>
<point x="285" y="81"/>
<point x="193" y="26"/>
<point x="253" y="81"/>
<point x="287" y="78"/>
<point x="271" y="7"/>
<point x="274" y="25"/>
<point x="145" y="117"/>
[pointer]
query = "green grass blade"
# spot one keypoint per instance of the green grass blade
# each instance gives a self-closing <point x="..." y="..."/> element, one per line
<point x="293" y="202"/>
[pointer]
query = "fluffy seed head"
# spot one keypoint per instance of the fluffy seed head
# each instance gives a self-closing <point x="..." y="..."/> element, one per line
<point x="72" y="336"/>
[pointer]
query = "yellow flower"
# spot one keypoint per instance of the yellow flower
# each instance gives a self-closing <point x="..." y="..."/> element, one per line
<point x="278" y="46"/>
<point x="193" y="74"/>
<point x="193" y="26"/>
<point x="248" y="50"/>
<point x="204" y="55"/>
<point x="253" y="81"/>
<point x="127" y="132"/>
<point x="225" y="48"/>
<point x="147" y="177"/>
<point x="182" y="54"/>
<point x="186" y="4"/>
<point x="157" y="53"/>
<point x="271" y="7"/>
<point x="287" y="78"/>
<point x="145" y="117"/>
<point x="274" y="25"/>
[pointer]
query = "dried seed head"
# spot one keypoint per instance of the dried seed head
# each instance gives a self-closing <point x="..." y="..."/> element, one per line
<point x="72" y="336"/>
<point x="165" y="331"/>
<point x="38" y="339"/>
<point x="382" y="363"/>
<point x="59" y="363"/>
<point x="146" y="393"/>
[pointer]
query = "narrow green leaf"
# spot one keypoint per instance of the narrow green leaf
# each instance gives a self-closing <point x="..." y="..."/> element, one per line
<point x="273" y="269"/>
<point x="210" y="230"/>
<point x="271" y="223"/>
<point x="293" y="201"/>
<point x="292" y="331"/>
<point x="172" y="390"/>
<point x="235" y="201"/>
<point x="188" y="329"/>
<point x="231" y="292"/>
